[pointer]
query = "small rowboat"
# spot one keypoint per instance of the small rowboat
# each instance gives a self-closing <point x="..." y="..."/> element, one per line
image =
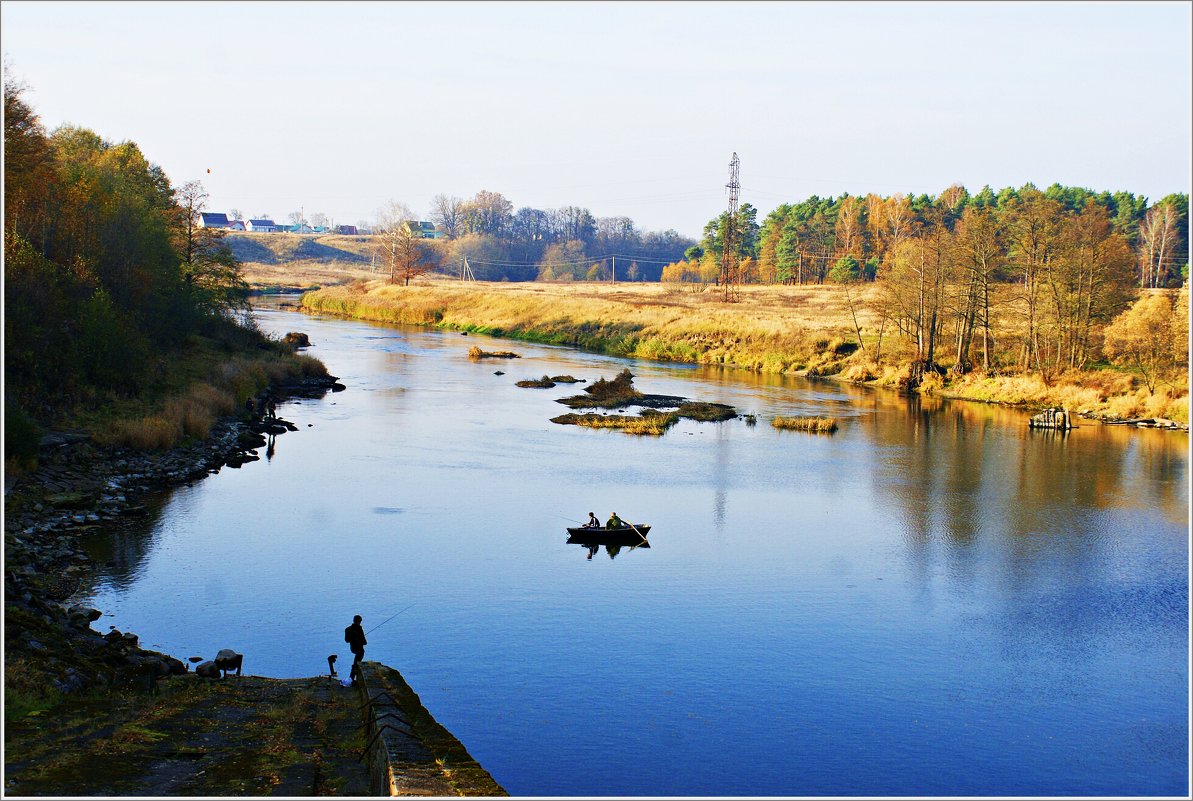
<point x="602" y="532"/>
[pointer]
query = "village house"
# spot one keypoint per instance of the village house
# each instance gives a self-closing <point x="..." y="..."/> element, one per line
<point x="209" y="219"/>
<point x="266" y="226"/>
<point x="423" y="230"/>
<point x="235" y="225"/>
<point x="346" y="230"/>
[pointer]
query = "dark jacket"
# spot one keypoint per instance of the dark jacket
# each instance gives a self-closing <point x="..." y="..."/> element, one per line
<point x="354" y="635"/>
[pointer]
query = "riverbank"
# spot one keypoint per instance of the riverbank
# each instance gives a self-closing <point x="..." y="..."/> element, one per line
<point x="244" y="735"/>
<point x="795" y="330"/>
<point x="82" y="486"/>
<point x="75" y="698"/>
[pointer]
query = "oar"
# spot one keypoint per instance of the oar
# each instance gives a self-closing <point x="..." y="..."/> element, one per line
<point x="636" y="531"/>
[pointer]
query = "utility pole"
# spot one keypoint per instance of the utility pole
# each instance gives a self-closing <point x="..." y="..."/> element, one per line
<point x="729" y="266"/>
<point x="615" y="269"/>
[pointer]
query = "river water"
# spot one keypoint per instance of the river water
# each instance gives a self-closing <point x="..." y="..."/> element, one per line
<point x="934" y="600"/>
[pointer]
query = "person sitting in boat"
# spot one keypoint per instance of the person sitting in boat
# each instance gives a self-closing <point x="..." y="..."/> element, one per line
<point x="615" y="522"/>
<point x="592" y="521"/>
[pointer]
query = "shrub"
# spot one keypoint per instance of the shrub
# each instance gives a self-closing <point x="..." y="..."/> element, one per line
<point x="930" y="384"/>
<point x="622" y="386"/>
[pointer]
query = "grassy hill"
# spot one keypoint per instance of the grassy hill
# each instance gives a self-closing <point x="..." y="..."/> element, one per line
<point x="300" y="261"/>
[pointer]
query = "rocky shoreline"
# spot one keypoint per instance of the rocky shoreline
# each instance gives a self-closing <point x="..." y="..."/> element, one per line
<point x="79" y="488"/>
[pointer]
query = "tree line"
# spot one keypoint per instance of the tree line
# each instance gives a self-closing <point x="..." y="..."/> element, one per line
<point x="502" y="243"/>
<point x="1070" y="260"/>
<point x="105" y="266"/>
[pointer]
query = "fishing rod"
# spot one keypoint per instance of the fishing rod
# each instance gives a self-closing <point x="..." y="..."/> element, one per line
<point x="391" y="617"/>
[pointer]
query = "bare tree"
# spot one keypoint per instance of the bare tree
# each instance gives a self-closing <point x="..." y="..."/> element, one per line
<point x="398" y="244"/>
<point x="448" y="213"/>
<point x="319" y="219"/>
<point x="235" y="214"/>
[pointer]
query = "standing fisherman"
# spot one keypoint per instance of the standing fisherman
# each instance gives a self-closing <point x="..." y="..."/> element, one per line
<point x="354" y="635"/>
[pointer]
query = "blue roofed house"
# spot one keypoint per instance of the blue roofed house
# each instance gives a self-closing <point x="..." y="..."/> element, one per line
<point x="209" y="219"/>
<point x="423" y="230"/>
<point x="268" y="226"/>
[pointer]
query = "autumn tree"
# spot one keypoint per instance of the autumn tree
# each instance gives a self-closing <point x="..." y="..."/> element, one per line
<point x="1160" y="238"/>
<point x="487" y="213"/>
<point x="564" y="261"/>
<point x="1031" y="227"/>
<point x="402" y="250"/>
<point x="1087" y="280"/>
<point x="976" y="257"/>
<point x="850" y="227"/>
<point x="1141" y="338"/>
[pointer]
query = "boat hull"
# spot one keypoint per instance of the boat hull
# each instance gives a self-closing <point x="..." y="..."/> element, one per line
<point x="608" y="533"/>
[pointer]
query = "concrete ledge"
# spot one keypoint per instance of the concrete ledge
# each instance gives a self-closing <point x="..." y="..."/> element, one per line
<point x="409" y="752"/>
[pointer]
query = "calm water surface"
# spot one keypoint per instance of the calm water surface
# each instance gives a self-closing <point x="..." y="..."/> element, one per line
<point x="933" y="601"/>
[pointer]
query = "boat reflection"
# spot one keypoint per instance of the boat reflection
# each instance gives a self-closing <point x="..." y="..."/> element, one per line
<point x="613" y="541"/>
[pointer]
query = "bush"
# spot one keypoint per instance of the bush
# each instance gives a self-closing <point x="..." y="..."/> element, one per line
<point x="846" y="269"/>
<point x="930" y="384"/>
<point x="21" y="436"/>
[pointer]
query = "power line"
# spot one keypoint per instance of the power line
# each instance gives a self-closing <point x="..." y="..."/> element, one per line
<point x="589" y="260"/>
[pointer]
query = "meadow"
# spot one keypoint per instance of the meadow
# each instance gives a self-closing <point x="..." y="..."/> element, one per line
<point x="807" y="330"/>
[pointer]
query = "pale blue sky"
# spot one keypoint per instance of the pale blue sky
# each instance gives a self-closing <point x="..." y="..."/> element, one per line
<point x="625" y="108"/>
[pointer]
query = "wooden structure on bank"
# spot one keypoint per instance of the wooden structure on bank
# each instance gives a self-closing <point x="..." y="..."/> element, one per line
<point x="1055" y="418"/>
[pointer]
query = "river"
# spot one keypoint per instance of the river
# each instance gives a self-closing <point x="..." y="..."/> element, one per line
<point x="934" y="600"/>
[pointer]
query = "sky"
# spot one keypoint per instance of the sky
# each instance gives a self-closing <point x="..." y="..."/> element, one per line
<point x="627" y="109"/>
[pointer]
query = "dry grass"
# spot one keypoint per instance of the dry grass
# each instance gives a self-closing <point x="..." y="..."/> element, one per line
<point x="818" y="425"/>
<point x="650" y="423"/>
<point x="704" y="412"/>
<point x="194" y="411"/>
<point x="476" y="353"/>
<point x="536" y="383"/>
<point x="773" y="329"/>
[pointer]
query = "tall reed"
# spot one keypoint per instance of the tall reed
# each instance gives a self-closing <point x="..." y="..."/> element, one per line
<point x="818" y="425"/>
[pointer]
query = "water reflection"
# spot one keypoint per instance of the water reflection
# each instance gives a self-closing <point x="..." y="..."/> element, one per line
<point x="613" y="541"/>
